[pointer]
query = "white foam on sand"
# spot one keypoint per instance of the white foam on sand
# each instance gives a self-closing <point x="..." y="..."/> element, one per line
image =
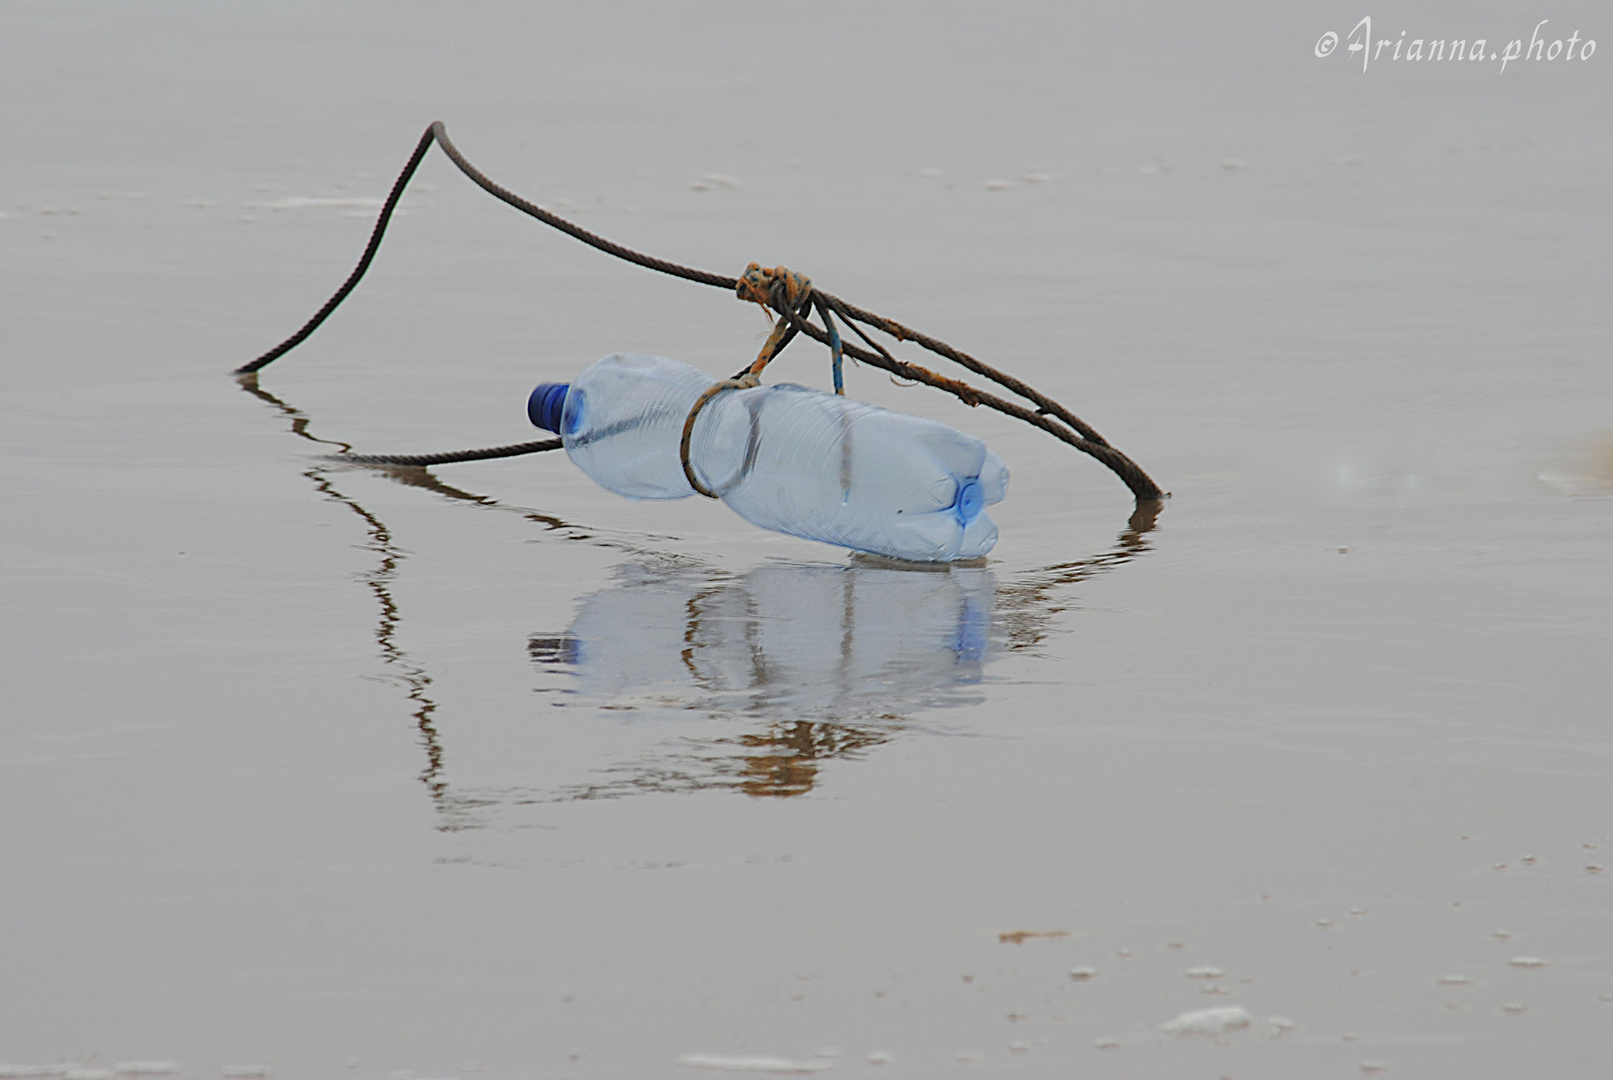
<point x="1209" y="1021"/>
<point x="750" y="1063"/>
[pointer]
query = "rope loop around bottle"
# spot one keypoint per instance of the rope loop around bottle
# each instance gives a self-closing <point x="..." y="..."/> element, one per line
<point x="772" y="287"/>
<point x="776" y="288"/>
<point x="744" y="382"/>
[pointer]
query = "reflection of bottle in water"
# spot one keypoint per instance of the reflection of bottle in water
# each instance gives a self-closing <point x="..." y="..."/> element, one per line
<point x="781" y="642"/>
<point x="785" y="457"/>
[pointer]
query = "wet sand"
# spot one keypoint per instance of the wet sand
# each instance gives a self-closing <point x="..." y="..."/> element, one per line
<point x="387" y="773"/>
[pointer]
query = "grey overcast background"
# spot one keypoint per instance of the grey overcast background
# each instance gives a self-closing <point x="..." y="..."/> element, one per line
<point x="340" y="772"/>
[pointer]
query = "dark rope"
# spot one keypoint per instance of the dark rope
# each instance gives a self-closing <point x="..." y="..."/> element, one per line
<point x="762" y="285"/>
<point x="940" y="348"/>
<point x="513" y="450"/>
<point x="688" y="273"/>
<point x="323" y="313"/>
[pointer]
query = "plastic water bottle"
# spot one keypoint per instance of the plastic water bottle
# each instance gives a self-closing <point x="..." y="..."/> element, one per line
<point x="782" y="456"/>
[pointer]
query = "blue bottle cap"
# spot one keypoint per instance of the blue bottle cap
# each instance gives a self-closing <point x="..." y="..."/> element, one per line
<point x="546" y="405"/>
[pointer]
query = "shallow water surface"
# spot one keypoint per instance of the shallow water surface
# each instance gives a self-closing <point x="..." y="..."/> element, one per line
<point x="312" y="769"/>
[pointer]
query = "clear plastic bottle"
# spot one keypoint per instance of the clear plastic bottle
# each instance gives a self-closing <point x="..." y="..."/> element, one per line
<point x="782" y="456"/>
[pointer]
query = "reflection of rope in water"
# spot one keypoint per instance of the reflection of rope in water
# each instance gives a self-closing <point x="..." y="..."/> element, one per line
<point x="806" y="743"/>
<point x="779" y="760"/>
<point x="453" y="813"/>
<point x="1027" y="607"/>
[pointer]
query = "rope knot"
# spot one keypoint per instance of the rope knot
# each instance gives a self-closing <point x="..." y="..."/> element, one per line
<point x="757" y="283"/>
